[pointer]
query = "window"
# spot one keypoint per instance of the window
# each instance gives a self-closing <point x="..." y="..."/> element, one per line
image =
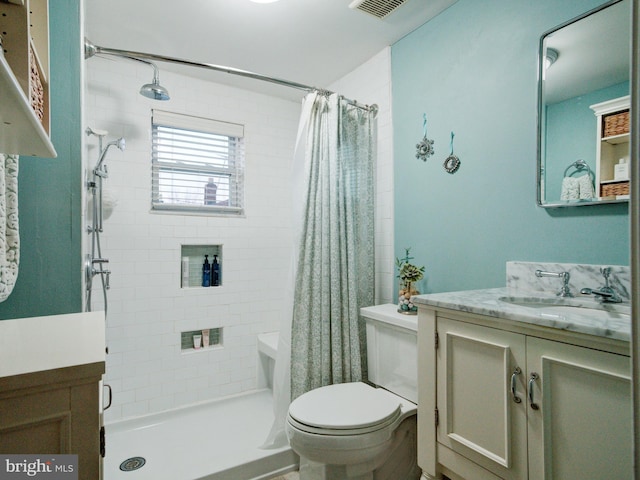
<point x="197" y="164"/>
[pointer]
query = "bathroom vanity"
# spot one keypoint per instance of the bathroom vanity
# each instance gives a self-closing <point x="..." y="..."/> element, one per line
<point x="518" y="383"/>
<point x="50" y="372"/>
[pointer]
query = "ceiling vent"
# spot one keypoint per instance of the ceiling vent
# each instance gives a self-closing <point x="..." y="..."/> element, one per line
<point x="377" y="8"/>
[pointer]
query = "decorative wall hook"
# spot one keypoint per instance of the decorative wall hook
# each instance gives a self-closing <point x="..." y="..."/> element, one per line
<point x="451" y="163"/>
<point x="424" y="148"/>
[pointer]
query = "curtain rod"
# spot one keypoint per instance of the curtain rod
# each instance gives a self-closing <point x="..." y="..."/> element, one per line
<point x="90" y="50"/>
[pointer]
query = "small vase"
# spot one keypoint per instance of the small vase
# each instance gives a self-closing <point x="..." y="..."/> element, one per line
<point x="405" y="293"/>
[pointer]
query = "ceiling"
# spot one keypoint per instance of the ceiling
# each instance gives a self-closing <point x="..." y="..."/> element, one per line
<point x="593" y="52"/>
<point x="313" y="42"/>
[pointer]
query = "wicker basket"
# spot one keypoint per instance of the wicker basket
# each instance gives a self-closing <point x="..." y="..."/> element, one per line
<point x="613" y="189"/>
<point x="36" y="90"/>
<point x="615" y="124"/>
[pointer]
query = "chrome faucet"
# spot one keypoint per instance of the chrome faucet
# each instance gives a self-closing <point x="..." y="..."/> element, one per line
<point x="605" y="294"/>
<point x="565" y="291"/>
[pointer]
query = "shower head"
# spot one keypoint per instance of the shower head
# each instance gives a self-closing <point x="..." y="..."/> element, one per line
<point x="120" y="143"/>
<point x="154" y="90"/>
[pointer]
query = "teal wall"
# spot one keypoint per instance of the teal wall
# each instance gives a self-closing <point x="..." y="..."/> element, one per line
<point x="571" y="127"/>
<point x="473" y="70"/>
<point x="49" y="190"/>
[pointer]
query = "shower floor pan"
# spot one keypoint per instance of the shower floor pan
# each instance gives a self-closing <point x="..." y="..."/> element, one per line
<point x="218" y="440"/>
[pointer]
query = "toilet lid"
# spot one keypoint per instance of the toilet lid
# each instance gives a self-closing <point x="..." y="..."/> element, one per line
<point x="345" y="406"/>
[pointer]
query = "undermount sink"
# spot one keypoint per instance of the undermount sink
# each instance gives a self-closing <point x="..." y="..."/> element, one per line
<point x="563" y="306"/>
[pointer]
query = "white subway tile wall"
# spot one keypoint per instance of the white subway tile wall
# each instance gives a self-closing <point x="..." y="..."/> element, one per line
<point x="147" y="309"/>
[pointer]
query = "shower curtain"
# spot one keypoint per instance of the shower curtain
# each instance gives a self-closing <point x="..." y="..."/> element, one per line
<point x="332" y="266"/>
<point x="9" y="231"/>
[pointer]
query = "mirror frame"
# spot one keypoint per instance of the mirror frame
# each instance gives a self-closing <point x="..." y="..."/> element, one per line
<point x="540" y="70"/>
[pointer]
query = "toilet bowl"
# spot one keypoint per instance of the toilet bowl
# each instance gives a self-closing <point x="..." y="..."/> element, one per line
<point x="358" y="431"/>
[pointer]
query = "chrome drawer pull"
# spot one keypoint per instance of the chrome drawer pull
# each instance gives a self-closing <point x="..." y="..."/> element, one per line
<point x="516" y="372"/>
<point x="532" y="379"/>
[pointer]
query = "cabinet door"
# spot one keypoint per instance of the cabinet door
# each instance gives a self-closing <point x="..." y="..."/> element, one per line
<point x="582" y="426"/>
<point x="479" y="417"/>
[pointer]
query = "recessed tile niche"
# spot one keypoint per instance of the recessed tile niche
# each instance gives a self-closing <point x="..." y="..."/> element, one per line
<point x="192" y="260"/>
<point x="189" y="340"/>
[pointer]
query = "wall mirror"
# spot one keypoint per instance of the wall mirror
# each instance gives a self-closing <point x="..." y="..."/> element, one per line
<point x="583" y="109"/>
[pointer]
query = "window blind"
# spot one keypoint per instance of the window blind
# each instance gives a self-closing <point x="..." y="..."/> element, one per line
<point x="197" y="164"/>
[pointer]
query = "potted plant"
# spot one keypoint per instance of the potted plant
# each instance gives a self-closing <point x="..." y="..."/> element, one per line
<point x="408" y="274"/>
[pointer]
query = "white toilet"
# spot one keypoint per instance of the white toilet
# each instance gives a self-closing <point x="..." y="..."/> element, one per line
<point x="356" y="431"/>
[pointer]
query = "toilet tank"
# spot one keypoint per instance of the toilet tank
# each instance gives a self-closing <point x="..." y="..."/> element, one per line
<point x="392" y="350"/>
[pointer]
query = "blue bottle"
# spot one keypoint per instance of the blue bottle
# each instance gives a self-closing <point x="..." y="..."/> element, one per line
<point x="206" y="272"/>
<point x="216" y="272"/>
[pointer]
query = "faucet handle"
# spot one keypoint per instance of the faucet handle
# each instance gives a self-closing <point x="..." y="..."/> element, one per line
<point x="606" y="272"/>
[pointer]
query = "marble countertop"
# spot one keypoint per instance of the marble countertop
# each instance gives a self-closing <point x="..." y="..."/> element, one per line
<point x="582" y="314"/>
<point x="36" y="344"/>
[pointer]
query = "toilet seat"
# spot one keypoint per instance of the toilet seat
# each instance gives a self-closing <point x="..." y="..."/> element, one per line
<point x="344" y="409"/>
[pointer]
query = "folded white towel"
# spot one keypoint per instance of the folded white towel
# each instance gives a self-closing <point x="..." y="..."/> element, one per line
<point x="586" y="187"/>
<point x="570" y="189"/>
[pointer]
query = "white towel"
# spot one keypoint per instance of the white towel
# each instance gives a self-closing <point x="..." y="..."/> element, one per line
<point x="570" y="189"/>
<point x="9" y="225"/>
<point x="586" y="187"/>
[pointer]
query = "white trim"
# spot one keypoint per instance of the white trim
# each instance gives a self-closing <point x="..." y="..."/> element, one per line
<point x="191" y="122"/>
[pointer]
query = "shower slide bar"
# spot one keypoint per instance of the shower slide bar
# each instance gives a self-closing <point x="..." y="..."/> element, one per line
<point x="91" y="49"/>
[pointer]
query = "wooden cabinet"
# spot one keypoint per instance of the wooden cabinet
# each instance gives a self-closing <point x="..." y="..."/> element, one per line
<point x="511" y="405"/>
<point x="478" y="417"/>
<point x="54" y="412"/>
<point x="50" y="373"/>
<point x="582" y="427"/>
<point x="612" y="144"/>
<point x="24" y="78"/>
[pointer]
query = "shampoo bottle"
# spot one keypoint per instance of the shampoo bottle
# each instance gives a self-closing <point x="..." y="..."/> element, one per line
<point x="210" y="192"/>
<point x="206" y="272"/>
<point x="216" y="272"/>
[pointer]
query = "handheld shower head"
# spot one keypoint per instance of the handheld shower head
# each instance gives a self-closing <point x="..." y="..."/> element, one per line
<point x="120" y="143"/>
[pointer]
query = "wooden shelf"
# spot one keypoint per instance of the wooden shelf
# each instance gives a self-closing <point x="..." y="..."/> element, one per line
<point x="610" y="149"/>
<point x="24" y="79"/>
<point x="617" y="139"/>
<point x="20" y="129"/>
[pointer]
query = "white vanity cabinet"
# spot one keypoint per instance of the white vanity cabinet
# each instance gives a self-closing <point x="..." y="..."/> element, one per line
<point x="512" y="404"/>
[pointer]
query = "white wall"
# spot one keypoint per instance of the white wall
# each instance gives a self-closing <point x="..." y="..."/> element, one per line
<point x="147" y="308"/>
<point x="371" y="83"/>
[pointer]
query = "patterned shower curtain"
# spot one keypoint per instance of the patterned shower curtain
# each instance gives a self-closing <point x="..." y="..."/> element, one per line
<point x="9" y="228"/>
<point x="332" y="263"/>
<point x="335" y="262"/>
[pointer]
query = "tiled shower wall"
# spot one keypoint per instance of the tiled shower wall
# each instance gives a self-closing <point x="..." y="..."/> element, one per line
<point x="147" y="309"/>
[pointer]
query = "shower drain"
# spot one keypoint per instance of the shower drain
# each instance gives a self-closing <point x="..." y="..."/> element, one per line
<point x="133" y="463"/>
